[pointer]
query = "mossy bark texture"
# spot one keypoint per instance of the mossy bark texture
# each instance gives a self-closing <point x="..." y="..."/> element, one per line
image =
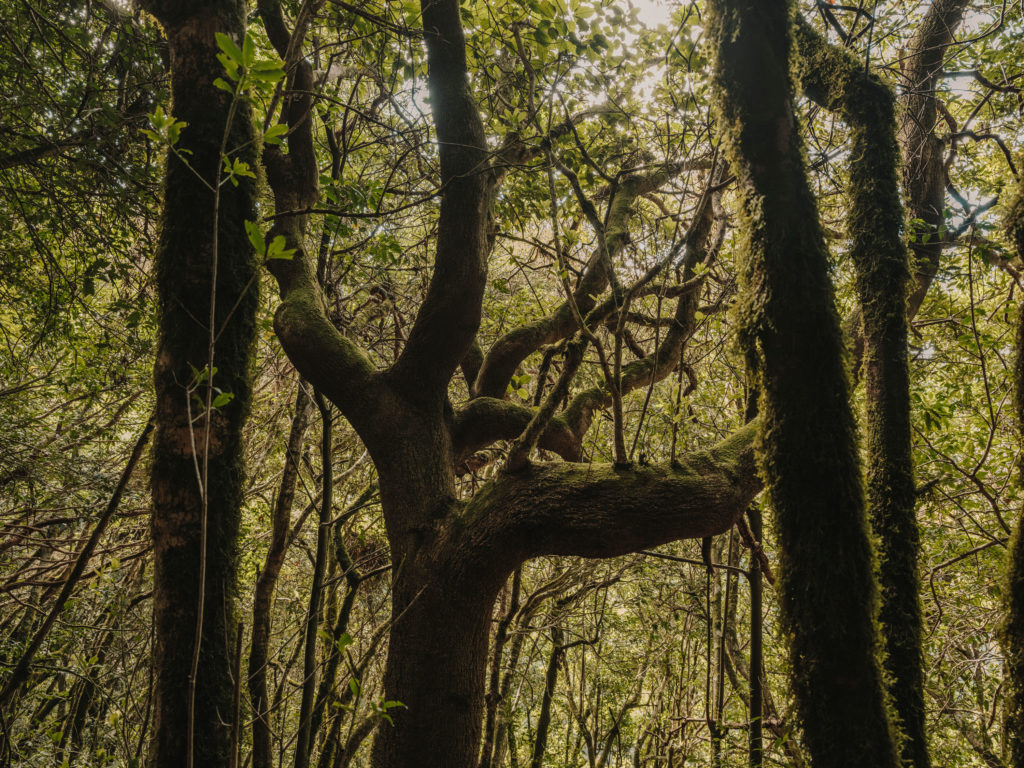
<point x="1013" y="629"/>
<point x="190" y="241"/>
<point x="807" y="447"/>
<point x="837" y="80"/>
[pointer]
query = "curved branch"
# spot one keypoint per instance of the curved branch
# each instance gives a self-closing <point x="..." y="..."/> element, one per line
<point x="510" y="350"/>
<point x="655" y="367"/>
<point x="487" y="419"/>
<point x="332" y="363"/>
<point x="599" y="510"/>
<point x="923" y="178"/>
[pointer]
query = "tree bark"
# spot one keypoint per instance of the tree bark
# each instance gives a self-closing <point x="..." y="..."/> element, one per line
<point x="924" y="177"/>
<point x="1013" y="628"/>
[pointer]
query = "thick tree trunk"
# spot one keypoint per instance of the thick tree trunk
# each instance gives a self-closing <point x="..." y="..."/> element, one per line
<point x="436" y="665"/>
<point x="808" y="447"/>
<point x="191" y="243"/>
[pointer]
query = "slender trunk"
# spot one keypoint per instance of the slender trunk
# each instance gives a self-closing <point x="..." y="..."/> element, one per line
<point x="494" y="691"/>
<point x="1013" y="628"/>
<point x="304" y="742"/>
<point x="267" y="581"/>
<point x="540" y="742"/>
<point x="756" y="741"/>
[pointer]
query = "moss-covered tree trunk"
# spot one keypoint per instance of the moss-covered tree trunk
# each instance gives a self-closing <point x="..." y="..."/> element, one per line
<point x="1013" y="628"/>
<point x="838" y="80"/>
<point x="191" y="244"/>
<point x="808" y="448"/>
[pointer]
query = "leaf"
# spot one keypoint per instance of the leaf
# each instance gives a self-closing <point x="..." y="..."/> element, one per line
<point x="223" y="399"/>
<point x="248" y="50"/>
<point x="271" y="76"/>
<point x="221" y="83"/>
<point x="277" y="249"/>
<point x="275" y="133"/>
<point x="255" y="236"/>
<point x="230" y="47"/>
<point x="229" y="64"/>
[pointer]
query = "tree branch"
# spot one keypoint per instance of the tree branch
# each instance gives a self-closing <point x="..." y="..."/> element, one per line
<point x="449" y="317"/>
<point x="510" y="350"/>
<point x="485" y="420"/>
<point x="598" y="510"/>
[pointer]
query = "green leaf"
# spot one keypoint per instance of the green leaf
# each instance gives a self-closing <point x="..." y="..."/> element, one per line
<point x="277" y="249"/>
<point x="275" y="133"/>
<point x="221" y="83"/>
<point x="255" y="236"/>
<point x="223" y="399"/>
<point x="229" y="64"/>
<point x="230" y="47"/>
<point x="248" y="50"/>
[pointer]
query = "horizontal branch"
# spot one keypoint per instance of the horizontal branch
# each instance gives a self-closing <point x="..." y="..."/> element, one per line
<point x="599" y="510"/>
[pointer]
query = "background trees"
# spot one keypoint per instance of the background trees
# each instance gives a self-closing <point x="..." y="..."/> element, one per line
<point x="595" y="142"/>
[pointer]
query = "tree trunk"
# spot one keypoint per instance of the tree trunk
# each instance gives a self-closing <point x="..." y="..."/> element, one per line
<point x="839" y="81"/>
<point x="808" y="447"/>
<point x="193" y="248"/>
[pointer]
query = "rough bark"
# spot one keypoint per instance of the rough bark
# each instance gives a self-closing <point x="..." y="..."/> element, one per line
<point x="190" y="242"/>
<point x="837" y="80"/>
<point x="807" y="447"/>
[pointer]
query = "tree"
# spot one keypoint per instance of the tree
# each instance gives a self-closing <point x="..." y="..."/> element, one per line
<point x="207" y="291"/>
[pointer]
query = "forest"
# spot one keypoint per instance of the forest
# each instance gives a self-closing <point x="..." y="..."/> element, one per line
<point x="511" y="384"/>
